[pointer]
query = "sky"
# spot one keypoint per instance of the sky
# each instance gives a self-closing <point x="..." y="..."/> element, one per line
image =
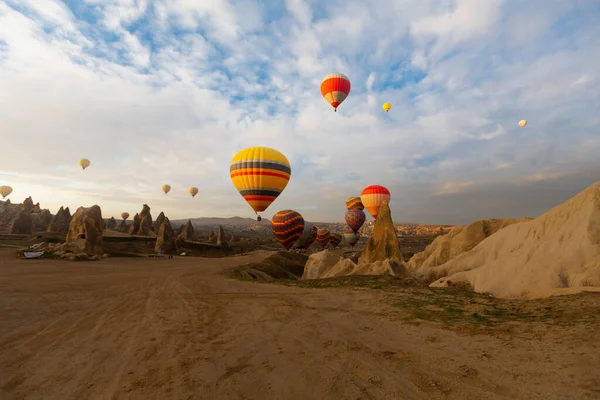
<point x="167" y="91"/>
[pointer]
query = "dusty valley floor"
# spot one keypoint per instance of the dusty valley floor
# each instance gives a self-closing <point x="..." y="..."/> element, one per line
<point x="139" y="328"/>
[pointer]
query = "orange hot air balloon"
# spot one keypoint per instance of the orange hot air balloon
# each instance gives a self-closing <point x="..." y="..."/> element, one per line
<point x="335" y="88"/>
<point x="287" y="226"/>
<point x="373" y="197"/>
<point x="354" y="203"/>
<point x="323" y="236"/>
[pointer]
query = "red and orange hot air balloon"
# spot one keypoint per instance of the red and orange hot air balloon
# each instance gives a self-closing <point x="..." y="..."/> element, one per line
<point x="335" y="239"/>
<point x="335" y="88"/>
<point x="373" y="197"/>
<point x="323" y="236"/>
<point x="287" y="226"/>
<point x="353" y="203"/>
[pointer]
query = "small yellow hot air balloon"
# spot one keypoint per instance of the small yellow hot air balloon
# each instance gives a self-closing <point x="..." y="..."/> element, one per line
<point x="84" y="163"/>
<point x="166" y="188"/>
<point x="522" y="123"/>
<point x="386" y="107"/>
<point x="193" y="191"/>
<point x="5" y="191"/>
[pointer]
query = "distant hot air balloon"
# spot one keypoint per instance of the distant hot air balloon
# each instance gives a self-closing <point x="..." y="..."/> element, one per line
<point x="522" y="123"/>
<point x="124" y="215"/>
<point x="302" y="243"/>
<point x="193" y="191"/>
<point x="355" y="219"/>
<point x="260" y="174"/>
<point x="84" y="163"/>
<point x="323" y="236"/>
<point x="166" y="188"/>
<point x="373" y="196"/>
<point x="5" y="191"/>
<point x="312" y="238"/>
<point x="353" y="203"/>
<point x="386" y="107"/>
<point x="351" y="237"/>
<point x="287" y="226"/>
<point x="335" y="88"/>
<point x="335" y="239"/>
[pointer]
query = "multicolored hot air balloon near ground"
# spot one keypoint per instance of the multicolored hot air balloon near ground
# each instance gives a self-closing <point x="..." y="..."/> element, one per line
<point x="335" y="88"/>
<point x="351" y="237"/>
<point x="386" y="107"/>
<point x="335" y="239"/>
<point x="373" y="196"/>
<point x="522" y="123"/>
<point x="355" y="219"/>
<point x="307" y="233"/>
<point x="5" y="191"/>
<point x="312" y="238"/>
<point x="193" y="191"/>
<point x="287" y="226"/>
<point x="260" y="174"/>
<point x="354" y="203"/>
<point x="124" y="215"/>
<point x="166" y="188"/>
<point x="323" y="236"/>
<point x="84" y="163"/>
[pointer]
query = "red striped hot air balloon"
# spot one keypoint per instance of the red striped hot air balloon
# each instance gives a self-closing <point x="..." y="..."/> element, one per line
<point x="351" y="237"/>
<point x="335" y="88"/>
<point x="353" y="203"/>
<point x="355" y="219"/>
<point x="287" y="226"/>
<point x="323" y="236"/>
<point x="312" y="238"/>
<point x="335" y="239"/>
<point x="373" y="197"/>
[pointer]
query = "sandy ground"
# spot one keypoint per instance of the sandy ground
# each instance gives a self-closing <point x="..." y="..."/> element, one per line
<point x="178" y="329"/>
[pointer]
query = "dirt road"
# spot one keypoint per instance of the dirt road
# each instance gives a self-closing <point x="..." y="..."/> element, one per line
<point x="177" y="329"/>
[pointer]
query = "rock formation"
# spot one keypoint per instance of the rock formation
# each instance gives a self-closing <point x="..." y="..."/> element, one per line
<point x="142" y="222"/>
<point x="112" y="223"/>
<point x="383" y="243"/>
<point x="165" y="240"/>
<point x="123" y="227"/>
<point x="42" y="220"/>
<point x="187" y="231"/>
<point x="158" y="222"/>
<point x="220" y="235"/>
<point x="23" y="223"/>
<point x="555" y="253"/>
<point x="85" y="230"/>
<point x="61" y="221"/>
<point x="135" y="225"/>
<point x="457" y="241"/>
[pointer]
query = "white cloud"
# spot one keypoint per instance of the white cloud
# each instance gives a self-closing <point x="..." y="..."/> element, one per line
<point x="167" y="91"/>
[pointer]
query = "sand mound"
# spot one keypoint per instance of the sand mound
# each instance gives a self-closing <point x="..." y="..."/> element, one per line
<point x="281" y="265"/>
<point x="457" y="241"/>
<point x="557" y="252"/>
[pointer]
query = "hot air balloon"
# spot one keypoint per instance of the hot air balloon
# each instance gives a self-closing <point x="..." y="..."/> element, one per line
<point x="335" y="239"/>
<point x="306" y="235"/>
<point x="353" y="203"/>
<point x="355" y="219"/>
<point x="522" y="123"/>
<point x="260" y="174"/>
<point x="287" y="226"/>
<point x="351" y="237"/>
<point x="193" y="191"/>
<point x="5" y="191"/>
<point x="335" y="88"/>
<point x="312" y="238"/>
<point x="124" y="215"/>
<point x="322" y="237"/>
<point x="84" y="163"/>
<point x="386" y="107"/>
<point x="373" y="196"/>
<point x="166" y="188"/>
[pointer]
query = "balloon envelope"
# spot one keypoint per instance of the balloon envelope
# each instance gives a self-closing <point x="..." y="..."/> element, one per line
<point x="373" y="196"/>
<point x="260" y="174"/>
<point x="335" y="88"/>
<point x="322" y="237"/>
<point x="125" y="215"/>
<point x="166" y="188"/>
<point x="522" y="123"/>
<point x="193" y="191"/>
<point x="335" y="239"/>
<point x="351" y="237"/>
<point x="5" y="191"/>
<point x="306" y="235"/>
<point x="84" y="163"/>
<point x="287" y="226"/>
<point x="353" y="203"/>
<point x="355" y="219"/>
<point x="386" y="107"/>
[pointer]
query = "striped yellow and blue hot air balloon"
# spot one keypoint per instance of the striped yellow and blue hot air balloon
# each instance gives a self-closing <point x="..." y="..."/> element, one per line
<point x="334" y="239"/>
<point x="287" y="226"/>
<point x="353" y="203"/>
<point x="260" y="174"/>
